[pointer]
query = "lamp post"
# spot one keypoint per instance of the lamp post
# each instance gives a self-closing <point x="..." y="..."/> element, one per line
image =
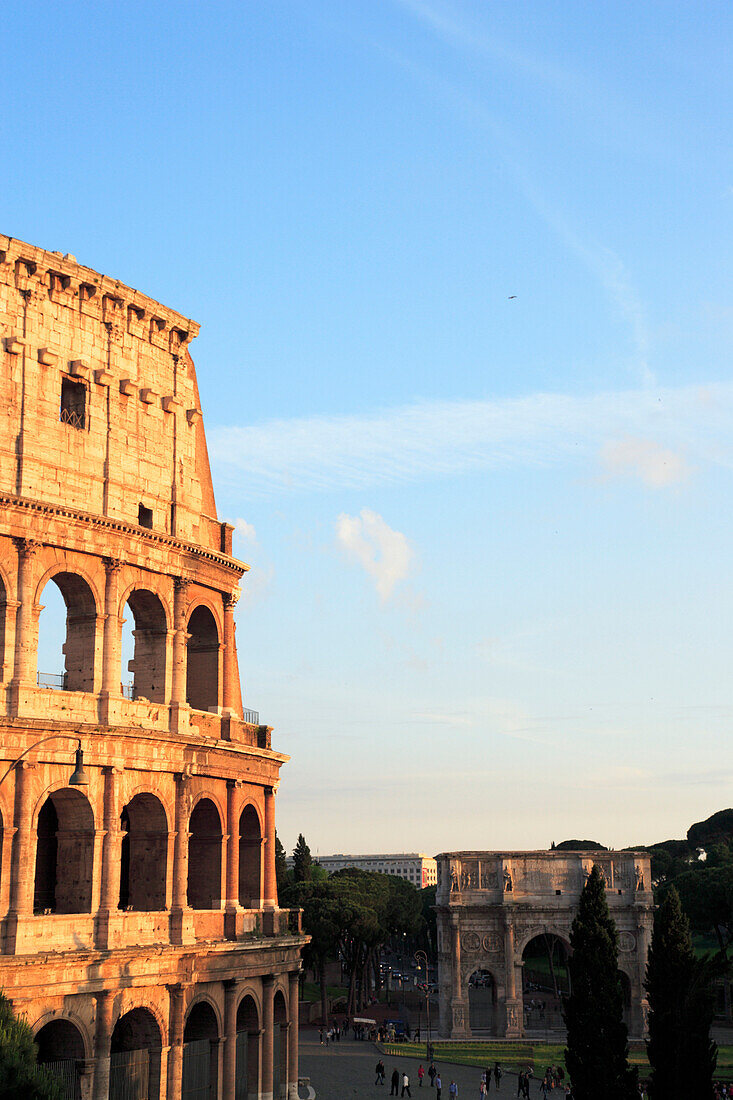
<point x="422" y="955"/>
<point x="78" y="777"/>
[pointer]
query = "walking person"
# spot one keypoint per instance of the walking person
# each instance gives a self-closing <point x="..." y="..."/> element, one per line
<point x="453" y="1090"/>
<point x="395" y="1083"/>
<point x="420" y="1075"/>
<point x="438" y="1087"/>
<point x="497" y="1074"/>
<point x="380" y="1073"/>
<point x="431" y="1073"/>
<point x="405" y="1085"/>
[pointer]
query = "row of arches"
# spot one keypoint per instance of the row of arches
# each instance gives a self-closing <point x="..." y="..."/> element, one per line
<point x="64" y="855"/>
<point x="136" y="1070"/>
<point x="68" y="626"/>
<point x="546" y="983"/>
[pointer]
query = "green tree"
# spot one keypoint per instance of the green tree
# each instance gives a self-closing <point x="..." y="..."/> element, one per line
<point x="21" y="1078"/>
<point x="579" y="846"/>
<point x="301" y="860"/>
<point x="282" y="874"/>
<point x="598" y="1051"/>
<point x="681" y="1053"/>
<point x="326" y="917"/>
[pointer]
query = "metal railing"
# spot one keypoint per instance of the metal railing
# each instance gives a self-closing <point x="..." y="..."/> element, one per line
<point x="251" y="716"/>
<point x="70" y="416"/>
<point x="52" y="680"/>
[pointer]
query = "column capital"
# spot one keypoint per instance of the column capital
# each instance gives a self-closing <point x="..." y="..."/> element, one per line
<point x="230" y="600"/>
<point x="112" y="566"/>
<point x="27" y="547"/>
<point x="181" y="585"/>
<point x="235" y="784"/>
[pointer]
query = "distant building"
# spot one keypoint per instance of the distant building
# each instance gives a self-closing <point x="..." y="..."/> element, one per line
<point x="419" y="869"/>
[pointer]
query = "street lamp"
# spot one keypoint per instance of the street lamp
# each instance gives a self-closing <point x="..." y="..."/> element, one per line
<point x="78" y="777"/>
<point x="418" y="956"/>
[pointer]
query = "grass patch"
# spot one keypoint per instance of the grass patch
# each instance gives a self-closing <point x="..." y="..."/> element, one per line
<point x="518" y="1055"/>
<point x="312" y="991"/>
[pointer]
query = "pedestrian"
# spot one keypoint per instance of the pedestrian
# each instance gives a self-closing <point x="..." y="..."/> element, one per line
<point x="395" y="1082"/>
<point x="320" y="1035"/>
<point x="520" y="1083"/>
<point x="438" y="1087"/>
<point x="380" y="1073"/>
<point x="453" y="1090"/>
<point x="497" y="1074"/>
<point x="431" y="1073"/>
<point x="420" y="1075"/>
<point x="417" y="1035"/>
<point x="405" y="1085"/>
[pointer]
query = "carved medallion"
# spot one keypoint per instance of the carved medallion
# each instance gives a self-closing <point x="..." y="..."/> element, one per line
<point x="626" y="941"/>
<point x="493" y="943"/>
<point x="470" y="941"/>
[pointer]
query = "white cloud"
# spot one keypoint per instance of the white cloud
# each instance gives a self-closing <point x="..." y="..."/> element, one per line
<point x="447" y="438"/>
<point x="657" y="466"/>
<point x="246" y="531"/>
<point x="383" y="553"/>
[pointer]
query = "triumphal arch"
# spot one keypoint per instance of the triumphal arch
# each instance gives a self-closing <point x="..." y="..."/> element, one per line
<point x="141" y="933"/>
<point x="492" y="906"/>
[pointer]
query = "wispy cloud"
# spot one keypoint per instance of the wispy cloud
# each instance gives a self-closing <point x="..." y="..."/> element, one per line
<point x="245" y="531"/>
<point x="448" y="438"/>
<point x="383" y="553"/>
<point x="653" y="464"/>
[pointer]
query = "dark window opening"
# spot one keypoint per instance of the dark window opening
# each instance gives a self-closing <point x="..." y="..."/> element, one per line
<point x="145" y="516"/>
<point x="73" y="403"/>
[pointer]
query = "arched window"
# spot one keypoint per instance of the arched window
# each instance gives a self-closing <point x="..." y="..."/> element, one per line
<point x="76" y="622"/>
<point x="134" y="1069"/>
<point x="250" y="859"/>
<point x="482" y="1002"/>
<point x="200" y="1054"/>
<point x="64" y="854"/>
<point x="202" y="667"/>
<point x="204" y="856"/>
<point x="144" y="854"/>
<point x="145" y="633"/>
<point x="6" y="669"/>
<point x="61" y="1052"/>
<point x="248" y="1050"/>
<point x="280" y="1048"/>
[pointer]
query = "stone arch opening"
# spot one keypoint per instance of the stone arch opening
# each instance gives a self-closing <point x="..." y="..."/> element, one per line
<point x="200" y="1054"/>
<point x="202" y="663"/>
<point x="204" y="856"/>
<point x="135" y="1051"/>
<point x="482" y="1002"/>
<point x="64" y="839"/>
<point x="280" y="1047"/>
<point x="545" y="981"/>
<point x="248" y="1050"/>
<point x="5" y="668"/>
<point x="75" y="672"/>
<point x="145" y="633"/>
<point x="250" y="859"/>
<point x="61" y="1053"/>
<point x="144" y="854"/>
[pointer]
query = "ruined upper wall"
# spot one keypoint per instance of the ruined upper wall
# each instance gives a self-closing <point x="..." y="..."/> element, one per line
<point x="99" y="406"/>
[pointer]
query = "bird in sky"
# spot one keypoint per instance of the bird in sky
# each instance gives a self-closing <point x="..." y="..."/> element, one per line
<point x="512" y="296"/>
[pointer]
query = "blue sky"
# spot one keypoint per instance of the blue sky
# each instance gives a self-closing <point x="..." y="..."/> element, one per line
<point x="463" y="274"/>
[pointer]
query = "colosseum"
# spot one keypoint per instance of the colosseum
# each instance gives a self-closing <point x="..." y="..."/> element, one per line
<point x="141" y="933"/>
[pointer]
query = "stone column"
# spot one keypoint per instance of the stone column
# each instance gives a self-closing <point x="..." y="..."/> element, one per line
<point x="294" y="986"/>
<point x="513" y="1005"/>
<point x="180" y="637"/>
<point x="22" y="855"/>
<point x="458" y="1022"/>
<point x="111" y="847"/>
<point x="102" y="1041"/>
<point x="111" y="652"/>
<point x="23" y="673"/>
<point x="229" y="696"/>
<point x="270" y="884"/>
<point x="175" y="1032"/>
<point x="232" y="869"/>
<point x="268" y="1035"/>
<point x="231" y="994"/>
<point x="181" y="923"/>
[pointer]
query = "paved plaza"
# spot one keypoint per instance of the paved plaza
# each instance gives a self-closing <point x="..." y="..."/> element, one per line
<point x="345" y="1070"/>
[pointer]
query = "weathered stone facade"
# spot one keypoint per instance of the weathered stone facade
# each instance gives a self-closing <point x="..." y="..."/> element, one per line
<point x="491" y="905"/>
<point x="141" y="933"/>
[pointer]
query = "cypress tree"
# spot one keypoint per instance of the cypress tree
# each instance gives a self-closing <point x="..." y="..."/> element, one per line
<point x="681" y="1053"/>
<point x="301" y="860"/>
<point x="597" y="1054"/>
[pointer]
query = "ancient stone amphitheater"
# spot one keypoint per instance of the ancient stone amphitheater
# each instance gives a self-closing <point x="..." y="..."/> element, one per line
<point x="141" y="933"/>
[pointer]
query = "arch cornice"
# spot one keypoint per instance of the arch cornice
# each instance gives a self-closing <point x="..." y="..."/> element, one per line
<point x="205" y="998"/>
<point x="50" y="1016"/>
<point x="64" y="564"/>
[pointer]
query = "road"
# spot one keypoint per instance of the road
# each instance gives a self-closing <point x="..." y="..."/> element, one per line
<point x="345" y="1071"/>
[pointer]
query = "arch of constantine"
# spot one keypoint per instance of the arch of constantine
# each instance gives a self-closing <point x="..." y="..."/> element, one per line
<point x="141" y="935"/>
<point x="491" y="906"/>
